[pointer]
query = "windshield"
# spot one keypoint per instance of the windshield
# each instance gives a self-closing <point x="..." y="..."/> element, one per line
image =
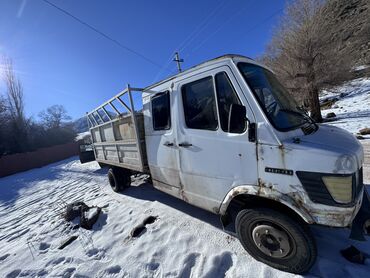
<point x="280" y="108"/>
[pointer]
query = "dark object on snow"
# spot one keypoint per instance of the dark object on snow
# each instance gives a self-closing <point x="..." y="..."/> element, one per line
<point x="67" y="242"/>
<point x="150" y="220"/>
<point x="358" y="224"/>
<point x="87" y="215"/>
<point x="367" y="227"/>
<point x="137" y="231"/>
<point x="359" y="137"/>
<point x="330" y="115"/>
<point x="353" y="255"/>
<point x="364" y="131"/>
<point x="75" y="210"/>
<point x="140" y="229"/>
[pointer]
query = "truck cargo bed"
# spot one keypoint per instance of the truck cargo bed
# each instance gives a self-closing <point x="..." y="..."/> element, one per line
<point x="119" y="139"/>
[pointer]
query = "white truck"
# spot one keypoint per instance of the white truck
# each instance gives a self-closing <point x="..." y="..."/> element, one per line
<point x="226" y="136"/>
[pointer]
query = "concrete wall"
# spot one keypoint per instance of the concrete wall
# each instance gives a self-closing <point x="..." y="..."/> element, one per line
<point x="11" y="164"/>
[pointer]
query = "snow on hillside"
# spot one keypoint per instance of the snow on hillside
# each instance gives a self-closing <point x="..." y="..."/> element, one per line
<point x="184" y="241"/>
<point x="353" y="106"/>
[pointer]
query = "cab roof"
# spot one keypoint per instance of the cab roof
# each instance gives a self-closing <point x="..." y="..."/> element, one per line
<point x="201" y="65"/>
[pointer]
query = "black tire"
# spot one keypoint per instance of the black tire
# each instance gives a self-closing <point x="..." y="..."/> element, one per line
<point x="119" y="178"/>
<point x="302" y="250"/>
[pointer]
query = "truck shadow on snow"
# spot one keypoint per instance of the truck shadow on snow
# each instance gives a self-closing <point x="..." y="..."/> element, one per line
<point x="146" y="192"/>
<point x="330" y="241"/>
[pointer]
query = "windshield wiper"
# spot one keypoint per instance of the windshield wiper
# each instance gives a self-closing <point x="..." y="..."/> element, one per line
<point x="294" y="112"/>
<point x="302" y="114"/>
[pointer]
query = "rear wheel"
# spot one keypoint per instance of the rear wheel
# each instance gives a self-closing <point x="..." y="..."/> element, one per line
<point x="276" y="239"/>
<point x="119" y="178"/>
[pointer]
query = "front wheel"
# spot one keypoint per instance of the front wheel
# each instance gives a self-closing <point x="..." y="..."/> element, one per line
<point x="276" y="239"/>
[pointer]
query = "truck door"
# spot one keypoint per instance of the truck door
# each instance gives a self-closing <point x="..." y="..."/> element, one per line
<point x="162" y="153"/>
<point x="212" y="159"/>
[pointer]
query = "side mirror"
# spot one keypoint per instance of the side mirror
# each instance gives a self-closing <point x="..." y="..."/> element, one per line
<point x="237" y="119"/>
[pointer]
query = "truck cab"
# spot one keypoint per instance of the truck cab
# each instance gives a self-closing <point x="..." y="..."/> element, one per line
<point x="201" y="147"/>
<point x="226" y="136"/>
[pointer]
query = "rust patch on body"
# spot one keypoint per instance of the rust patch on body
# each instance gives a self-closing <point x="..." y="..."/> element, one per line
<point x="282" y="154"/>
<point x="262" y="187"/>
<point x="296" y="201"/>
<point x="338" y="219"/>
<point x="182" y="193"/>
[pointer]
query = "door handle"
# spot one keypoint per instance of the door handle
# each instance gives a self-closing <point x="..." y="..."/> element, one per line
<point x="168" y="144"/>
<point x="185" y="145"/>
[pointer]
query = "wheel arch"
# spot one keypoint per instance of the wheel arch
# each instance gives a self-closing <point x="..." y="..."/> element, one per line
<point x="242" y="197"/>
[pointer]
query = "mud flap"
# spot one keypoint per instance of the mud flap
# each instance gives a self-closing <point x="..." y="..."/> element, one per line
<point x="358" y="223"/>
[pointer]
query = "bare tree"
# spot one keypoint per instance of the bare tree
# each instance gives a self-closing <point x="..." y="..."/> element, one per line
<point x="53" y="116"/>
<point x="2" y="107"/>
<point x="17" y="123"/>
<point x="19" y="133"/>
<point x="3" y="124"/>
<point x="306" y="53"/>
<point x="14" y="91"/>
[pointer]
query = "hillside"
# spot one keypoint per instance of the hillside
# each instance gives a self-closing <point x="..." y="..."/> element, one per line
<point x="352" y="21"/>
<point x="80" y="125"/>
<point x="350" y="103"/>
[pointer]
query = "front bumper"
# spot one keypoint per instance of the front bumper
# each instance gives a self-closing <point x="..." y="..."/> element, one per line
<point x="323" y="209"/>
<point x="337" y="216"/>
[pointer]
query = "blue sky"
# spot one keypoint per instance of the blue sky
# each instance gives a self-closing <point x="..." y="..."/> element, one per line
<point x="60" y="61"/>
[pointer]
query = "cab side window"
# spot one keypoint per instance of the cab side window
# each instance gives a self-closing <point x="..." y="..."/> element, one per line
<point x="200" y="104"/>
<point x="161" y="111"/>
<point x="226" y="96"/>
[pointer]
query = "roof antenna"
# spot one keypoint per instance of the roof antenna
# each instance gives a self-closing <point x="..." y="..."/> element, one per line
<point x="178" y="61"/>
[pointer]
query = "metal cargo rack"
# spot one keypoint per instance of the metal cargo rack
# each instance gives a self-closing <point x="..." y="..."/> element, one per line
<point x="119" y="139"/>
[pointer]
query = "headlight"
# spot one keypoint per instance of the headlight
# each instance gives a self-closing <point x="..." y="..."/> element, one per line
<point x="340" y="188"/>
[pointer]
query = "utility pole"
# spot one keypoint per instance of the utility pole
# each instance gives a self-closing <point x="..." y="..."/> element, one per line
<point x="178" y="61"/>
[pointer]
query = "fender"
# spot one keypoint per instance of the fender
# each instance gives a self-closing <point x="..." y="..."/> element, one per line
<point x="269" y="193"/>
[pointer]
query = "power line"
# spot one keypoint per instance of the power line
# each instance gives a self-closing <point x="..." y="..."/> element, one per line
<point x="185" y="43"/>
<point x="232" y="17"/>
<point x="165" y="67"/>
<point x="201" y="26"/>
<point x="103" y="34"/>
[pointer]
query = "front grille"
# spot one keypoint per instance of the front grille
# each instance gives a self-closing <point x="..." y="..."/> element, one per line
<point x="315" y="188"/>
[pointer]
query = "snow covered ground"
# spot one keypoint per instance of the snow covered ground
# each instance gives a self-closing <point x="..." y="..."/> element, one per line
<point x="353" y="105"/>
<point x="184" y="241"/>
